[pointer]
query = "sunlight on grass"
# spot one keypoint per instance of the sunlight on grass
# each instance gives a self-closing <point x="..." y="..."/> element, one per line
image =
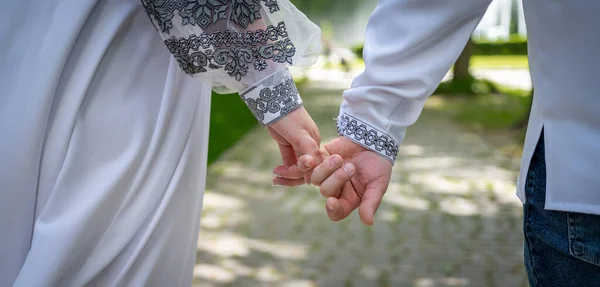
<point x="477" y="61"/>
<point x="500" y="61"/>
<point x="496" y="116"/>
<point x="489" y="111"/>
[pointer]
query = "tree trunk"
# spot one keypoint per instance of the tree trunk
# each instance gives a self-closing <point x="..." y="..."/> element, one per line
<point x="461" y="67"/>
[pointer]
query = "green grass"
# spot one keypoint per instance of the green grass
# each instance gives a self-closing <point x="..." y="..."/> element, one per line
<point x="501" y="110"/>
<point x="230" y="120"/>
<point x="494" y="111"/>
<point x="477" y="62"/>
<point x="498" y="117"/>
<point x="468" y="86"/>
<point x="500" y="61"/>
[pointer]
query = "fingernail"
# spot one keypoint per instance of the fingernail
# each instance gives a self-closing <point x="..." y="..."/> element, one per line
<point x="275" y="184"/>
<point x="329" y="206"/>
<point x="336" y="160"/>
<point x="349" y="168"/>
<point x="303" y="162"/>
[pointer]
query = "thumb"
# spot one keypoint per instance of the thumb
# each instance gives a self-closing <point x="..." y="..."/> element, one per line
<point x="370" y="203"/>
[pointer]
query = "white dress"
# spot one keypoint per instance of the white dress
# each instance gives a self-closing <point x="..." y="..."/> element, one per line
<point x="103" y="134"/>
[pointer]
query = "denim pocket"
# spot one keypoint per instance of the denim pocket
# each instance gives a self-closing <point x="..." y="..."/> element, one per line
<point x="584" y="237"/>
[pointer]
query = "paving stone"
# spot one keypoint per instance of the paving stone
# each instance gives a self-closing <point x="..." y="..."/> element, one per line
<point x="449" y="218"/>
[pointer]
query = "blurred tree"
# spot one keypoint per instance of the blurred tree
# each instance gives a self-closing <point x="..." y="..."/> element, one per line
<point x="514" y="18"/>
<point x="462" y="64"/>
<point x="463" y="82"/>
<point x="331" y="10"/>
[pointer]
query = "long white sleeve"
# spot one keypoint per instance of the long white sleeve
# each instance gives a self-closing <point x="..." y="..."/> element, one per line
<point x="241" y="46"/>
<point x="410" y="45"/>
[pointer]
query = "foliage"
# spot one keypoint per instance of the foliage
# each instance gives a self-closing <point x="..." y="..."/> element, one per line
<point x="468" y="86"/>
<point x="513" y="46"/>
<point x="230" y="120"/>
<point x="358" y="50"/>
<point x="500" y="61"/>
<point x="316" y="9"/>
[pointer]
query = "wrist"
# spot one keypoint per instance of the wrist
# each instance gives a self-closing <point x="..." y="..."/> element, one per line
<point x="367" y="137"/>
<point x="273" y="98"/>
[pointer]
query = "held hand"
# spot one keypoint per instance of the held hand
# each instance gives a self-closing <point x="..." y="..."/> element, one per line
<point x="298" y="139"/>
<point x="360" y="182"/>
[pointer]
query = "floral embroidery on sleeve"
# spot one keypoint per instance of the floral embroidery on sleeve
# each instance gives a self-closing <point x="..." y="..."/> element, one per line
<point x="234" y="52"/>
<point x="203" y="13"/>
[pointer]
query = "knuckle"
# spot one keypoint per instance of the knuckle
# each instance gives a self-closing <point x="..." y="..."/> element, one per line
<point x="315" y="181"/>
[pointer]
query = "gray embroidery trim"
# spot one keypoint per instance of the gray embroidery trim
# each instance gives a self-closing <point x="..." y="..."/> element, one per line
<point x="203" y="13"/>
<point x="273" y="98"/>
<point x="228" y="39"/>
<point x="367" y="136"/>
<point x="234" y="51"/>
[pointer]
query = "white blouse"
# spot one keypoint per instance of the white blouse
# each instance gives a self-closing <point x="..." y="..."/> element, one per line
<point x="243" y="46"/>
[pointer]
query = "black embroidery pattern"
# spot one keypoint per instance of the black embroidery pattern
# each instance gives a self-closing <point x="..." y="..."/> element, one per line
<point x="281" y="99"/>
<point x="228" y="39"/>
<point x="203" y="13"/>
<point x="368" y="136"/>
<point x="272" y="4"/>
<point x="234" y="51"/>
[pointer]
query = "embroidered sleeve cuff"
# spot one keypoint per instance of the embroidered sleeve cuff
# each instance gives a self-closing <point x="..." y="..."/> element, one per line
<point x="367" y="136"/>
<point x="272" y="98"/>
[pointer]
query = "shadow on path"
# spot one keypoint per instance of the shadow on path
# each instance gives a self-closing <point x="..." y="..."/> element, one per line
<point x="449" y="218"/>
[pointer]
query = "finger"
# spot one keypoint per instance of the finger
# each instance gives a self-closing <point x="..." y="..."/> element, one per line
<point x="307" y="176"/>
<point x="339" y="208"/>
<point x="308" y="145"/>
<point x="326" y="169"/>
<point x="334" y="209"/>
<point x="280" y="181"/>
<point x="370" y="203"/>
<point x="306" y="163"/>
<point x="288" y="155"/>
<point x="332" y="186"/>
<point x="307" y="148"/>
<point x="289" y="172"/>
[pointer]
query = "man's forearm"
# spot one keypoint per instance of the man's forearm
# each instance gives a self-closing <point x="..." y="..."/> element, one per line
<point x="409" y="47"/>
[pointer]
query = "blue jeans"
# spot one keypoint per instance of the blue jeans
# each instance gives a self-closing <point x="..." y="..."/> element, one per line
<point x="561" y="248"/>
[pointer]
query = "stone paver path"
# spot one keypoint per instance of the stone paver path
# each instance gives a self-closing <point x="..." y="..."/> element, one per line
<point x="449" y="218"/>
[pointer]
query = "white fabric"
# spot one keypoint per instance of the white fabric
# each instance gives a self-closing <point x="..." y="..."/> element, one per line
<point x="238" y="43"/>
<point x="411" y="44"/>
<point x="277" y="85"/>
<point x="103" y="144"/>
<point x="103" y="150"/>
<point x="285" y="21"/>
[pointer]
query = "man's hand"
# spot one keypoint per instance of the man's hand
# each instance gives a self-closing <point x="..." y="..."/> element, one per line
<point x="298" y="138"/>
<point x="359" y="182"/>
